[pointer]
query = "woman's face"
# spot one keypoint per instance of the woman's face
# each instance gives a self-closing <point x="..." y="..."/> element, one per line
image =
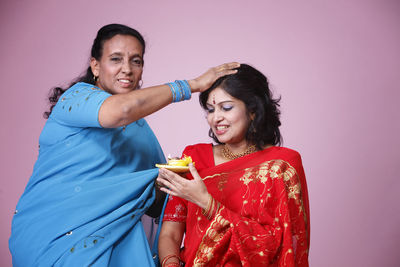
<point x="227" y="117"/>
<point x="120" y="68"/>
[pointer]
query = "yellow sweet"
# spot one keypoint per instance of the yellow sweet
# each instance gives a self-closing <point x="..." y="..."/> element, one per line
<point x="180" y="162"/>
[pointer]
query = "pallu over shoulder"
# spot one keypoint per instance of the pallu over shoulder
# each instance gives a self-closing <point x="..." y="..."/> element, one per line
<point x="262" y="217"/>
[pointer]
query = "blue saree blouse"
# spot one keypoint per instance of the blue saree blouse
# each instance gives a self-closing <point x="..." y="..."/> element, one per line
<point x="89" y="188"/>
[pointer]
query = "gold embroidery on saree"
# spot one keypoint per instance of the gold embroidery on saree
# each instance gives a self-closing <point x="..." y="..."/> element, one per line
<point x="274" y="169"/>
<point x="264" y="173"/>
<point x="221" y="184"/>
<point x="213" y="235"/>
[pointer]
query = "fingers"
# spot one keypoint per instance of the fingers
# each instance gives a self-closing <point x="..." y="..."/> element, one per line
<point x="194" y="190"/>
<point x="194" y="172"/>
<point x="227" y="66"/>
<point x="166" y="190"/>
<point x="204" y="82"/>
<point x="170" y="180"/>
<point x="171" y="176"/>
<point x="166" y="186"/>
<point x="226" y="69"/>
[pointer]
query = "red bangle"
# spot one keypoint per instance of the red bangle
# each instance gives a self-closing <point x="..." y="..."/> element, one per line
<point x="169" y="257"/>
<point x="172" y="264"/>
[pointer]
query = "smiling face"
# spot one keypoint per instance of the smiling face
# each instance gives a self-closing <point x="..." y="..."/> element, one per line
<point x="120" y="68"/>
<point x="227" y="117"/>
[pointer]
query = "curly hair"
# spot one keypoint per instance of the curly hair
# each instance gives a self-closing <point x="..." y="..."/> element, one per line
<point x="251" y="86"/>
<point x="105" y="33"/>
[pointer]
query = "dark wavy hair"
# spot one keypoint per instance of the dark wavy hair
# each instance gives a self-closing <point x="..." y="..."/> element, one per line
<point x="105" y="33"/>
<point x="251" y="86"/>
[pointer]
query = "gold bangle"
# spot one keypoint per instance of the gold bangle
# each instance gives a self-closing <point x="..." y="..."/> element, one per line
<point x="212" y="208"/>
<point x="209" y="203"/>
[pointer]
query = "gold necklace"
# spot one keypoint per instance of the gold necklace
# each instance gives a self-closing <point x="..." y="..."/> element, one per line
<point x="227" y="153"/>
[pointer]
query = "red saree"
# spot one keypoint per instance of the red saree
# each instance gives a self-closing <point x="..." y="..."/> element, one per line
<point x="263" y="219"/>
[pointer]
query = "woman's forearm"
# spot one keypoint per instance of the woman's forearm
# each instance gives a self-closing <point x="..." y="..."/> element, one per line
<point x="123" y="109"/>
<point x="169" y="247"/>
<point x="170" y="241"/>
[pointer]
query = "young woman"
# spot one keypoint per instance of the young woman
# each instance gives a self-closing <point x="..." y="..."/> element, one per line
<point x="246" y="202"/>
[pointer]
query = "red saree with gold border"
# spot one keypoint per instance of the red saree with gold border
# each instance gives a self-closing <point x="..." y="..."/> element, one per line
<point x="263" y="219"/>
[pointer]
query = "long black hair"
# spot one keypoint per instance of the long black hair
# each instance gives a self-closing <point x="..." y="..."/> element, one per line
<point x="105" y="33"/>
<point x="252" y="87"/>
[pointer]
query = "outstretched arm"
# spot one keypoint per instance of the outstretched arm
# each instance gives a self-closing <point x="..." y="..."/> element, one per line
<point x="122" y="109"/>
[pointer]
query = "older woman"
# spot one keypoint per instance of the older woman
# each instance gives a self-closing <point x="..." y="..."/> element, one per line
<point x="247" y="203"/>
<point x="94" y="176"/>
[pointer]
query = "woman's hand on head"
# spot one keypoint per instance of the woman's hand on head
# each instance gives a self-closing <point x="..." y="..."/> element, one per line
<point x="204" y="81"/>
<point x="194" y="190"/>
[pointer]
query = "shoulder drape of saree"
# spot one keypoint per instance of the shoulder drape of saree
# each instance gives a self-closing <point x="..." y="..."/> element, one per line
<point x="263" y="219"/>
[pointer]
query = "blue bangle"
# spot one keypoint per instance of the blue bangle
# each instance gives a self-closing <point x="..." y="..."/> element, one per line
<point x="175" y="92"/>
<point x="178" y="94"/>
<point x="180" y="90"/>
<point x="187" y="92"/>
<point x="172" y="91"/>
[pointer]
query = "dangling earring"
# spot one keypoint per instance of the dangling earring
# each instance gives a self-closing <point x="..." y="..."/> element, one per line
<point x="95" y="78"/>
<point x="211" y="134"/>
<point x="140" y="83"/>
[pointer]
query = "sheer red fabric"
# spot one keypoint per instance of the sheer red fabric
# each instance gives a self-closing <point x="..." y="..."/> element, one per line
<point x="263" y="219"/>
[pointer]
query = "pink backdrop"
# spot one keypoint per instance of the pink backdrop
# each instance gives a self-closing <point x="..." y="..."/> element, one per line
<point x="335" y="63"/>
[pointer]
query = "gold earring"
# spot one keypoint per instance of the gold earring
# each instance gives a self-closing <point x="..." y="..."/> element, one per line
<point x="95" y="78"/>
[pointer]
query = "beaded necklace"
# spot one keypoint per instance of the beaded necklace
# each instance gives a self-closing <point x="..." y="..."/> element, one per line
<point x="227" y="153"/>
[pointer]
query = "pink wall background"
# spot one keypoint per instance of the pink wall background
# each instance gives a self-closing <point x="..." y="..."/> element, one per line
<point x="335" y="63"/>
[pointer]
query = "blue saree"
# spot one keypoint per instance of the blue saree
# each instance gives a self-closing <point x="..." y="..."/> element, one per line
<point x="89" y="188"/>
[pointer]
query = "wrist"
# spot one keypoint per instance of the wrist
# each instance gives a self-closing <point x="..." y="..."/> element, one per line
<point x="212" y="208"/>
<point x="194" y="85"/>
<point x="205" y="201"/>
<point x="171" y="260"/>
